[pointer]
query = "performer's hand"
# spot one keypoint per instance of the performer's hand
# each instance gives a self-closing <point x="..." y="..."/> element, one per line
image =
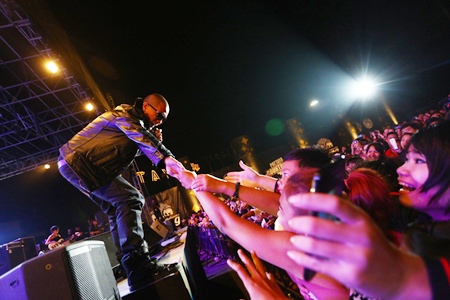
<point x="259" y="283"/>
<point x="173" y="166"/>
<point x="157" y="132"/>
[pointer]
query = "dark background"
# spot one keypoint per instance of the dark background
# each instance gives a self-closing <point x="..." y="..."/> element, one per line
<point x="229" y="67"/>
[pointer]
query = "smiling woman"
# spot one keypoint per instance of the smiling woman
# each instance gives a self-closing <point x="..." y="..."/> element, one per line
<point x="421" y="272"/>
<point x="425" y="176"/>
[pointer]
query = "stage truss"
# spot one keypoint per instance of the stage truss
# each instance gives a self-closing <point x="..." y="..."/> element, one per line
<point x="39" y="111"/>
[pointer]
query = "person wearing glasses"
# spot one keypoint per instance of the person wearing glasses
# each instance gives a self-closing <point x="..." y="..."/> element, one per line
<point x="93" y="161"/>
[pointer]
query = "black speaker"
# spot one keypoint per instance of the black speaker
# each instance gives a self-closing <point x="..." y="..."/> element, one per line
<point x="77" y="271"/>
<point x="111" y="248"/>
<point x="11" y="254"/>
<point x="16" y="252"/>
<point x="29" y="246"/>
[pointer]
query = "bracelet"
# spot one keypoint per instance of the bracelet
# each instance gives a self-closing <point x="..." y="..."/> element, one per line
<point x="236" y="190"/>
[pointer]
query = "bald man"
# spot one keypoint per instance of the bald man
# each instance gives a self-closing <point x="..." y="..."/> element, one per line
<point x="93" y="160"/>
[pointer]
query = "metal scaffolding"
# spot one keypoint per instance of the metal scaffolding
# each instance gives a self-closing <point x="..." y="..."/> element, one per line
<point x="39" y="111"/>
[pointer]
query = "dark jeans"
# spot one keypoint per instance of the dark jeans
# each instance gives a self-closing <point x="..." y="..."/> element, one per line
<point x="123" y="204"/>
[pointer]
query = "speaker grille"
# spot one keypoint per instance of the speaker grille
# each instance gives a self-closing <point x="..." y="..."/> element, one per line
<point x="92" y="274"/>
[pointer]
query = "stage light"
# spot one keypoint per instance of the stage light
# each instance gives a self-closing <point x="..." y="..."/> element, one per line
<point x="52" y="67"/>
<point x="313" y="103"/>
<point x="364" y="88"/>
<point x="89" y="106"/>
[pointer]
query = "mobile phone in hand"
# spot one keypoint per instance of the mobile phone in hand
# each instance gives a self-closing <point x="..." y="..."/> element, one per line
<point x="329" y="179"/>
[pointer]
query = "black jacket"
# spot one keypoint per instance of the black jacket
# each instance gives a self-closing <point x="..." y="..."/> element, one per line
<point x="107" y="146"/>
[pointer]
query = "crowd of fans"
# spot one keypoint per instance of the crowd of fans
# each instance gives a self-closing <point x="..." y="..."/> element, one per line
<point x="374" y="164"/>
<point x="383" y="150"/>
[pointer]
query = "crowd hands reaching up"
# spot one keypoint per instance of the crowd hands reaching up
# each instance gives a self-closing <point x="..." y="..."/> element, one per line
<point x="370" y="249"/>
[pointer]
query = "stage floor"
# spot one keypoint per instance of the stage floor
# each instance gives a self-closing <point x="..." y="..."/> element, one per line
<point x="172" y="253"/>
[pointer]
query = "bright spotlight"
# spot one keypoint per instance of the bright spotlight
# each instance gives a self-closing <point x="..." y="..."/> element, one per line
<point x="89" y="107"/>
<point x="364" y="88"/>
<point x="46" y="166"/>
<point x="52" y="67"/>
<point x="314" y="103"/>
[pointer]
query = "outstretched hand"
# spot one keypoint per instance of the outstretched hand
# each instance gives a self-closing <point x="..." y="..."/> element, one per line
<point x="247" y="177"/>
<point x="259" y="283"/>
<point x="186" y="178"/>
<point x="354" y="251"/>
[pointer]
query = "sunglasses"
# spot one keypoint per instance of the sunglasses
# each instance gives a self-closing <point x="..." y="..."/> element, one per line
<point x="159" y="115"/>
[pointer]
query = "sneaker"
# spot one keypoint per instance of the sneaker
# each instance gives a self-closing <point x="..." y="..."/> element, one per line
<point x="142" y="270"/>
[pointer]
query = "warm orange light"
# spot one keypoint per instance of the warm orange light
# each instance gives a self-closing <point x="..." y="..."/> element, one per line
<point x="89" y="106"/>
<point x="52" y="67"/>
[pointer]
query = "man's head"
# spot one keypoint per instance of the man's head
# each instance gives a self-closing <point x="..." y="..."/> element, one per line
<point x="410" y="127"/>
<point x="156" y="108"/>
<point x="299" y="159"/>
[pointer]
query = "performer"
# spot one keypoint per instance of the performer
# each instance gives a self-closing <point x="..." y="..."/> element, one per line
<point x="95" y="157"/>
<point x="54" y="240"/>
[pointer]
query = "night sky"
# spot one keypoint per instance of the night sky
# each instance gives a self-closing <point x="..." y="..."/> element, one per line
<point x="229" y="67"/>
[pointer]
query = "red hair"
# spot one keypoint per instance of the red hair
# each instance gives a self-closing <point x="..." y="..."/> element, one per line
<point x="368" y="190"/>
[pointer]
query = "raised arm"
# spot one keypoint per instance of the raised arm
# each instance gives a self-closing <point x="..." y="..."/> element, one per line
<point x="250" y="178"/>
<point x="264" y="200"/>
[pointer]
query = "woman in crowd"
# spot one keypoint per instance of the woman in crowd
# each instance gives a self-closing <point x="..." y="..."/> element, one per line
<point x="356" y="253"/>
<point x="375" y="152"/>
<point x="357" y="147"/>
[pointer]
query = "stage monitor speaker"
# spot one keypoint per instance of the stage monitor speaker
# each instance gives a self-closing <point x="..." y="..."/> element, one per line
<point x="111" y="248"/>
<point x="160" y="228"/>
<point x="77" y="271"/>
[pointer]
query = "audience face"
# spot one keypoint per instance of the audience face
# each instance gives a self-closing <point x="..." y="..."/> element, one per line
<point x="408" y="129"/>
<point x="289" y="167"/>
<point x="412" y="176"/>
<point x="404" y="142"/>
<point x="357" y="148"/>
<point x="349" y="167"/>
<point x="387" y="131"/>
<point x="372" y="154"/>
<point x="300" y="182"/>
<point x="425" y="173"/>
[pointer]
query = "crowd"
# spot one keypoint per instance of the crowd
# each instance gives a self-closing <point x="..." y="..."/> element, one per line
<point x="338" y="235"/>
<point x="389" y="235"/>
